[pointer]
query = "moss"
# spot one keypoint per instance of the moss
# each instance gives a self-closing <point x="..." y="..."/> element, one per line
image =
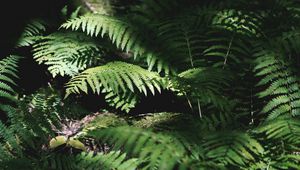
<point x="105" y="120"/>
<point x="156" y="120"/>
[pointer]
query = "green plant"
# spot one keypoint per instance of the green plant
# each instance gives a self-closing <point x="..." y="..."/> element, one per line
<point x="230" y="66"/>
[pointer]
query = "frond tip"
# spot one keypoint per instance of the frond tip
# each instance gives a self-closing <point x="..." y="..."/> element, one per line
<point x="66" y="53"/>
<point x="7" y="74"/>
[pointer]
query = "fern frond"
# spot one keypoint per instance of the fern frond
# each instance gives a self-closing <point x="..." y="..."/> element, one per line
<point x="182" y="40"/>
<point x="156" y="151"/>
<point x="124" y="102"/>
<point x="288" y="42"/>
<point x="235" y="148"/>
<point x="119" y="77"/>
<point x="223" y="48"/>
<point x="282" y="85"/>
<point x="202" y="85"/>
<point x="112" y="160"/>
<point x="282" y="129"/>
<point x="9" y="146"/>
<point x="89" y="160"/>
<point x="31" y="33"/>
<point x="66" y="53"/>
<point x="119" y="31"/>
<point x="8" y="69"/>
<point x="247" y="23"/>
<point x="125" y="35"/>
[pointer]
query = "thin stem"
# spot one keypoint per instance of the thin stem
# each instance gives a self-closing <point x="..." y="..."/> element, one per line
<point x="251" y="105"/>
<point x="199" y="109"/>
<point x="189" y="102"/>
<point x="228" y="51"/>
<point x="188" y="45"/>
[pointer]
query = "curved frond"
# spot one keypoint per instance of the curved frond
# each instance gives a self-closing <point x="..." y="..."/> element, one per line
<point x="31" y="33"/>
<point x="112" y="160"/>
<point x="235" y="148"/>
<point x="282" y="129"/>
<point x="125" y="35"/>
<point x="121" y="82"/>
<point x="117" y="77"/>
<point x="151" y="148"/>
<point x="282" y="86"/>
<point x="66" y="53"/>
<point x="125" y="101"/>
<point x="202" y="85"/>
<point x="8" y="70"/>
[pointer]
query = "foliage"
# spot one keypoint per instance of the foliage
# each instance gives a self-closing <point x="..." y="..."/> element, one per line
<point x="66" y="53"/>
<point x="117" y="79"/>
<point x="230" y="68"/>
<point x="7" y="76"/>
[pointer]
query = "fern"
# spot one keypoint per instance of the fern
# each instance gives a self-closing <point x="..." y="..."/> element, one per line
<point x="126" y="36"/>
<point x="209" y="54"/>
<point x="223" y="48"/>
<point x="9" y="145"/>
<point x="202" y="85"/>
<point x="282" y="86"/>
<point x="31" y="33"/>
<point x="235" y="148"/>
<point x="7" y="75"/>
<point x="248" y="23"/>
<point x="124" y="102"/>
<point x="66" y="53"/>
<point x="151" y="148"/>
<point x="182" y="40"/>
<point x="89" y="160"/>
<point x="282" y="129"/>
<point x="116" y="78"/>
<point x="287" y="42"/>
<point x="111" y="160"/>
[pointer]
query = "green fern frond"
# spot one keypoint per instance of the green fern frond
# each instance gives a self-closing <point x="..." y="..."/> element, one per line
<point x="285" y="161"/>
<point x="124" y="102"/>
<point x="66" y="53"/>
<point x="217" y="121"/>
<point x="202" y="85"/>
<point x="182" y="40"/>
<point x="120" y="32"/>
<point x="8" y="69"/>
<point x="288" y="42"/>
<point x="282" y="129"/>
<point x="119" y="81"/>
<point x="126" y="36"/>
<point x="223" y="48"/>
<point x="235" y="148"/>
<point x="288" y="161"/>
<point x="237" y="21"/>
<point x="282" y="86"/>
<point x="112" y="160"/>
<point x="9" y="146"/>
<point x="155" y="150"/>
<point x="119" y="77"/>
<point x="31" y="33"/>
<point x="89" y="161"/>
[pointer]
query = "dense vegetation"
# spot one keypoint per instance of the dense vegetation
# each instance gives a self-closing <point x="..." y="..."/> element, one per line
<point x="155" y="84"/>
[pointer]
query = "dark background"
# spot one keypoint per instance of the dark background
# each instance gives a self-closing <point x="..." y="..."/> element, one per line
<point x="15" y="13"/>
